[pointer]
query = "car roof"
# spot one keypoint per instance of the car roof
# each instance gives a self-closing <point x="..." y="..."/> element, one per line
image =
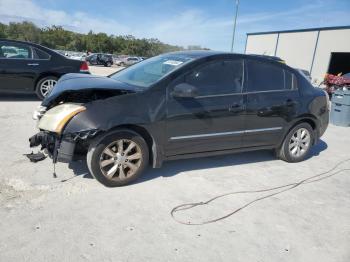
<point x="49" y="50"/>
<point x="200" y="54"/>
<point x="196" y="54"/>
<point x="23" y="42"/>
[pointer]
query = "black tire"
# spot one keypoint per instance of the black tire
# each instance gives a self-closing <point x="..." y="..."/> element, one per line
<point x="284" y="152"/>
<point x="108" y="64"/>
<point x="97" y="148"/>
<point x="38" y="87"/>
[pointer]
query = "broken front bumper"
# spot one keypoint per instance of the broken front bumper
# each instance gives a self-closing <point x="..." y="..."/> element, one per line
<point x="60" y="149"/>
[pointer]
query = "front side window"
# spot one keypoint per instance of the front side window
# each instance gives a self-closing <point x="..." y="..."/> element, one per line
<point x="264" y="76"/>
<point x="14" y="51"/>
<point x="217" y="78"/>
<point x="149" y="71"/>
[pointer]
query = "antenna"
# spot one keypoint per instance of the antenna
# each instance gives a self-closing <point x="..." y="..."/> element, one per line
<point x="234" y="25"/>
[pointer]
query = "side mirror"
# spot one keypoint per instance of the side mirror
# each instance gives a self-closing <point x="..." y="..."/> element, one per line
<point x="184" y="90"/>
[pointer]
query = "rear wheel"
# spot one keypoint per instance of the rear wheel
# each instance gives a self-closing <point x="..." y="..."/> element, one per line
<point x="117" y="158"/>
<point x="297" y="143"/>
<point x="44" y="86"/>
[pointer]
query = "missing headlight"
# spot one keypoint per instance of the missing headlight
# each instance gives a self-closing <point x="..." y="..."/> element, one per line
<point x="39" y="112"/>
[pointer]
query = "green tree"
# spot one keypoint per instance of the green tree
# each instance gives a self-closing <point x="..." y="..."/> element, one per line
<point x="25" y="31"/>
<point x="57" y="37"/>
<point x="3" y="33"/>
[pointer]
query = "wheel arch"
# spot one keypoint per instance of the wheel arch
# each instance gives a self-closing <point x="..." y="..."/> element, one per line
<point x="43" y="75"/>
<point x="153" y="148"/>
<point x="309" y="119"/>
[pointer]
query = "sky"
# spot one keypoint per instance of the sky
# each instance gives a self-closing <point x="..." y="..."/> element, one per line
<point x="208" y="23"/>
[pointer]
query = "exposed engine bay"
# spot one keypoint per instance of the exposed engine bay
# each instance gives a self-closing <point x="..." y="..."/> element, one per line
<point x="84" y="96"/>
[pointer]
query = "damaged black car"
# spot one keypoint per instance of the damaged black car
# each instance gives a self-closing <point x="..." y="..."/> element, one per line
<point x="180" y="105"/>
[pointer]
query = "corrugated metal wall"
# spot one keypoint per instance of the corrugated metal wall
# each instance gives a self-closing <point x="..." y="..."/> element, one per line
<point x="310" y="50"/>
<point x="328" y="42"/>
<point x="297" y="49"/>
<point x="261" y="44"/>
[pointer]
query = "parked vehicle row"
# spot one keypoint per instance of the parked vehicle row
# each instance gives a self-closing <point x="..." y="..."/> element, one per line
<point x="28" y="67"/>
<point x="188" y="104"/>
<point x="102" y="58"/>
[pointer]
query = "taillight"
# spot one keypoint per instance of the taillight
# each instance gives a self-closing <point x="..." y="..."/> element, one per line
<point x="84" y="67"/>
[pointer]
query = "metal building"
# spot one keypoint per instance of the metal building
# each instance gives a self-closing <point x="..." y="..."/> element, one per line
<point x="317" y="50"/>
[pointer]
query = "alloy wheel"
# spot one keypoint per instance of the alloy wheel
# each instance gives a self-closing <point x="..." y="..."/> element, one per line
<point x="46" y="86"/>
<point x="299" y="142"/>
<point x="120" y="160"/>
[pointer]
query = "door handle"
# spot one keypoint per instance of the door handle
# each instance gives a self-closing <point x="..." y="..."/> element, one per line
<point x="33" y="64"/>
<point x="290" y="102"/>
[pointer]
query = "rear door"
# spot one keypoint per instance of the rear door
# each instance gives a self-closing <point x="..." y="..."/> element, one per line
<point x="17" y="67"/>
<point x="272" y="101"/>
<point x="214" y="120"/>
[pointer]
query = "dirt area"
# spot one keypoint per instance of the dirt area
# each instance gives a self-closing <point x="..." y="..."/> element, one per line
<point x="104" y="71"/>
<point x="74" y="218"/>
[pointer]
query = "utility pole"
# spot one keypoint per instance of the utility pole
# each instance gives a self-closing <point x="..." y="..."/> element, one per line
<point x="234" y="25"/>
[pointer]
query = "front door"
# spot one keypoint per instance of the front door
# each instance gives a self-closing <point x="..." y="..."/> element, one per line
<point x="17" y="68"/>
<point x="272" y="101"/>
<point x="214" y="119"/>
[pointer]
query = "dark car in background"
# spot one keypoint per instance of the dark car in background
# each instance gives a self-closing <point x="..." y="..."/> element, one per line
<point x="28" y="67"/>
<point x="181" y="105"/>
<point x="100" y="59"/>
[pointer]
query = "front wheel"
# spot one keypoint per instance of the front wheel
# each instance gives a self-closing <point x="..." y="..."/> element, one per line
<point x="297" y="143"/>
<point x="117" y="158"/>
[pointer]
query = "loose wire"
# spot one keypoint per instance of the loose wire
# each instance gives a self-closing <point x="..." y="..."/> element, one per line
<point x="285" y="188"/>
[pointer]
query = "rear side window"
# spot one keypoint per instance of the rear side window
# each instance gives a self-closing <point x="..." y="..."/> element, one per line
<point x="268" y="77"/>
<point x="216" y="78"/>
<point x="39" y="54"/>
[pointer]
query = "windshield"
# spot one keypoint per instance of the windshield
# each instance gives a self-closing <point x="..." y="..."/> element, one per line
<point x="149" y="71"/>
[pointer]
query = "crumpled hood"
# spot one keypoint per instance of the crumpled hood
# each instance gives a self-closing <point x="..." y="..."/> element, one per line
<point x="84" y="83"/>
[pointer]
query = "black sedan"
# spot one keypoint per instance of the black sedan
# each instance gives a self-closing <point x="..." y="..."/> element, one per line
<point x="181" y="105"/>
<point x="28" y="67"/>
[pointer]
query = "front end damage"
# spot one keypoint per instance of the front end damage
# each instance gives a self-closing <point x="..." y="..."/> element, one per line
<point x="62" y="148"/>
<point x="68" y="99"/>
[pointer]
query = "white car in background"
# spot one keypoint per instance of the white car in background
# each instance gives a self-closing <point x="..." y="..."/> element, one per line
<point x="128" y="61"/>
<point x="77" y="56"/>
<point x="132" y="60"/>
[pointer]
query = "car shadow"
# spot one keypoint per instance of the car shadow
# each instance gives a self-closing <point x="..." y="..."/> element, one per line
<point x="80" y="168"/>
<point x="175" y="167"/>
<point x="6" y="97"/>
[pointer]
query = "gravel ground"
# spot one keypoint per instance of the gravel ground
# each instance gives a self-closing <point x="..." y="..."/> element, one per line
<point x="45" y="219"/>
<point x="104" y="71"/>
